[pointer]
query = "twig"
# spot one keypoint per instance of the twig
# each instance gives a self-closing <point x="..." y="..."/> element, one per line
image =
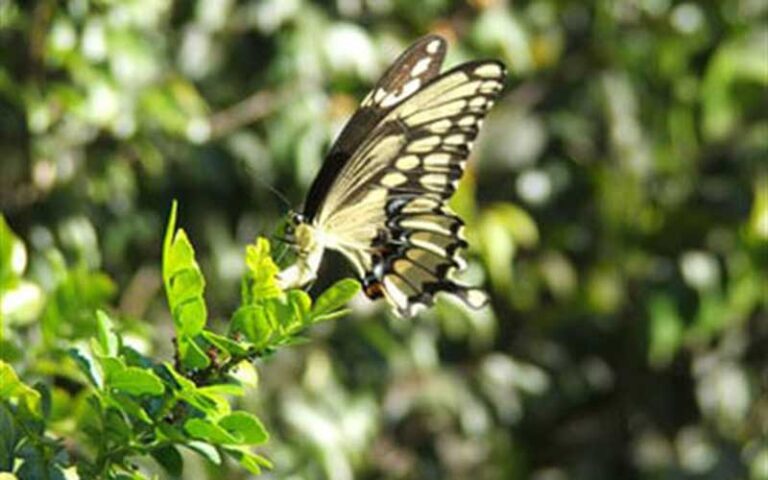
<point x="253" y="108"/>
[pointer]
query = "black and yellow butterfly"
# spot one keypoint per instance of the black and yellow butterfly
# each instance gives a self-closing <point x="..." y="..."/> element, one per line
<point x="381" y="195"/>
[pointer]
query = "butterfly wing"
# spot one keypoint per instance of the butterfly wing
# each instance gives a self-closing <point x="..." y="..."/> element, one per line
<point x="412" y="70"/>
<point x="386" y="210"/>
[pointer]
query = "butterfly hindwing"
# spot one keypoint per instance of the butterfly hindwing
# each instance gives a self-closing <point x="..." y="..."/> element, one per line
<point x="422" y="251"/>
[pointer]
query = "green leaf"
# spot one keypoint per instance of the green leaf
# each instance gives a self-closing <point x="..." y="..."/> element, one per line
<point x="249" y="460"/>
<point x="206" y="450"/>
<point x="129" y="406"/>
<point x="301" y="304"/>
<point x="262" y="271"/>
<point x="192" y="355"/>
<point x="136" y="381"/>
<point x="223" y="389"/>
<point x="85" y="365"/>
<point x="210" y="403"/>
<point x="184" y="384"/>
<point x="8" y="439"/>
<point x="170" y="458"/>
<point x="12" y="388"/>
<point x="227" y="345"/>
<point x="208" y="431"/>
<point x="191" y="316"/>
<point x="281" y="314"/>
<point x="184" y="288"/>
<point x="108" y="340"/>
<point x="245" y="426"/>
<point x="186" y="284"/>
<point x="253" y="322"/>
<point x="167" y="242"/>
<point x="117" y="429"/>
<point x="111" y="365"/>
<point x="334" y="298"/>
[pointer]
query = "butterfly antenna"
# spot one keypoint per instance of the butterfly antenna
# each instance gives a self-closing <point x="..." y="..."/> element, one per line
<point x="277" y="193"/>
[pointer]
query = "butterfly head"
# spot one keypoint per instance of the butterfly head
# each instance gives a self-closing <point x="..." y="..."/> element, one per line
<point x="300" y="233"/>
<point x="304" y="238"/>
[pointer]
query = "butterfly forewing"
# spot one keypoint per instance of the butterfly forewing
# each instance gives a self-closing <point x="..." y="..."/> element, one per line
<point x="411" y="71"/>
<point x="385" y="205"/>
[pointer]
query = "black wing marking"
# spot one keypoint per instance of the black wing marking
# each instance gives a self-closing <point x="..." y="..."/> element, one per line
<point x="411" y="71"/>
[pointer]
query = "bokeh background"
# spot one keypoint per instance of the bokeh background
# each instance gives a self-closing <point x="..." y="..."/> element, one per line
<point x="617" y="208"/>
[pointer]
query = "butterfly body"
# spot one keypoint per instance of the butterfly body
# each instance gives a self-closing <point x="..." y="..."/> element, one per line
<point x="380" y="197"/>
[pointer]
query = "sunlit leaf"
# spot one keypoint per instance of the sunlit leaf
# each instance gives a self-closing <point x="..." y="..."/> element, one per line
<point x="210" y="432"/>
<point x="108" y="341"/>
<point x="245" y="426"/>
<point x="249" y="460"/>
<point x="136" y="381"/>
<point x="333" y="299"/>
<point x="12" y="388"/>
<point x="262" y="271"/>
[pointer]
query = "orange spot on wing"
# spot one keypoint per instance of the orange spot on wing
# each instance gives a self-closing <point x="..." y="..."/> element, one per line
<point x="374" y="290"/>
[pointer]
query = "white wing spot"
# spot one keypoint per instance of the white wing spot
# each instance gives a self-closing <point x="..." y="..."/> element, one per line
<point x="490" y="86"/>
<point x="456" y="139"/>
<point x="408" y="162"/>
<point x="399" y="298"/>
<point x="421" y="66"/>
<point x="437" y="160"/>
<point x="434" y="181"/>
<point x="408" y="89"/>
<point x="379" y="95"/>
<point x="489" y="70"/>
<point x="392" y="180"/>
<point x="440" y="111"/>
<point x="477" y="102"/>
<point x="476" y="298"/>
<point x="420" y="204"/>
<point x="467" y="121"/>
<point x="433" y="47"/>
<point x="441" y="126"/>
<point x="461" y="264"/>
<point x="424" y="144"/>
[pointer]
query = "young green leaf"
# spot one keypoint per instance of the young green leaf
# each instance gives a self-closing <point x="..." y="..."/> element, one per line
<point x="249" y="460"/>
<point x="136" y="381"/>
<point x="333" y="299"/>
<point x="245" y="426"/>
<point x="210" y="432"/>
<point x="191" y="316"/>
<point x="227" y="345"/>
<point x="12" y="388"/>
<point x="129" y="406"/>
<point x="85" y="364"/>
<point x="170" y="229"/>
<point x="253" y="322"/>
<point x="301" y="304"/>
<point x="262" y="271"/>
<point x="223" y="389"/>
<point x="108" y="341"/>
<point x="191" y="353"/>
<point x="184" y="287"/>
<point x="206" y="450"/>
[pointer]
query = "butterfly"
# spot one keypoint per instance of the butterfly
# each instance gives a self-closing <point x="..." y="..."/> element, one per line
<point x="381" y="195"/>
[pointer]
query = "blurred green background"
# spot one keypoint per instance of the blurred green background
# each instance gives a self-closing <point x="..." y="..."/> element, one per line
<point x="617" y="208"/>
